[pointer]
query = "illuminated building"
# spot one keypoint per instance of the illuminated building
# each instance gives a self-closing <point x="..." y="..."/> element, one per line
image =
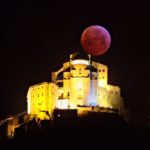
<point x="79" y="84"/>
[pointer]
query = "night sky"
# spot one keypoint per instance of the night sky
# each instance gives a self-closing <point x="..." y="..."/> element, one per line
<point x="36" y="38"/>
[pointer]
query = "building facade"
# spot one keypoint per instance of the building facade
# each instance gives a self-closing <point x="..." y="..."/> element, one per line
<point x="79" y="84"/>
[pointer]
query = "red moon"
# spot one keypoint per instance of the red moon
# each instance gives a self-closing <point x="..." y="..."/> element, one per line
<point x="95" y="40"/>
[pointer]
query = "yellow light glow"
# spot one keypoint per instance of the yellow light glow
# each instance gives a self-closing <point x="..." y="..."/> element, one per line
<point x="102" y="83"/>
<point x="29" y="107"/>
<point x="62" y="104"/>
<point x="79" y="84"/>
<point x="38" y="100"/>
<point x="72" y="105"/>
<point x="60" y="91"/>
<point x="80" y="61"/>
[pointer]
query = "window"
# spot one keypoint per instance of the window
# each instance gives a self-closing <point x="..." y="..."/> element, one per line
<point x="103" y="70"/>
<point x="80" y="71"/>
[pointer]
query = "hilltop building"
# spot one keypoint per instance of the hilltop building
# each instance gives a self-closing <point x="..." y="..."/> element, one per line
<point x="79" y="84"/>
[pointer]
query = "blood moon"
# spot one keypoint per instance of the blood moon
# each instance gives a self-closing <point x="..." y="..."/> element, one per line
<point x="95" y="40"/>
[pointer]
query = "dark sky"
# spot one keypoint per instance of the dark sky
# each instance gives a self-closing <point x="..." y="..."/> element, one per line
<point x="36" y="38"/>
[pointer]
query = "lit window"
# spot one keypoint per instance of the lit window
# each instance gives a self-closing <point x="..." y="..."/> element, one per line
<point x="62" y="103"/>
<point x="80" y="71"/>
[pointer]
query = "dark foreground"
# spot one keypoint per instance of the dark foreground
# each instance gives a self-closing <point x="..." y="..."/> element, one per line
<point x="97" y="131"/>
